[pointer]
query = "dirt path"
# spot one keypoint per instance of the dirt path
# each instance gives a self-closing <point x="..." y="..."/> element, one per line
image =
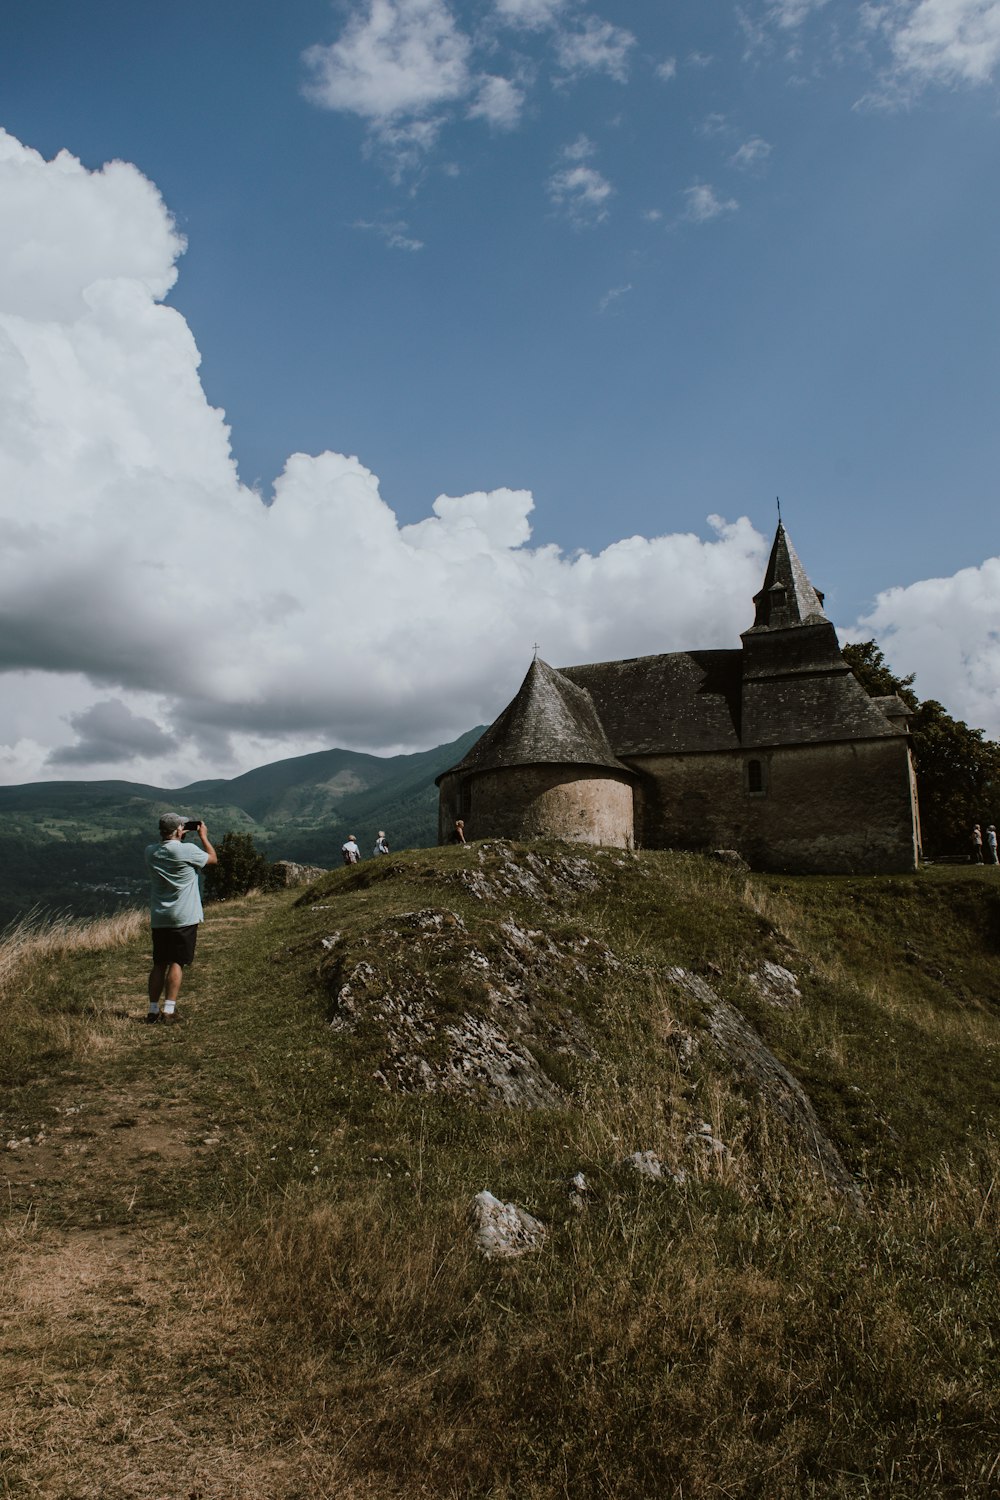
<point x="128" y="1369"/>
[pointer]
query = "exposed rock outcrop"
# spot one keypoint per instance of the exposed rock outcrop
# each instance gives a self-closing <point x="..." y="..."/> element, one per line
<point x="501" y="872"/>
<point x="285" y="873"/>
<point x="776" y="985"/>
<point x="752" y="1061"/>
<point x="471" y="1017"/>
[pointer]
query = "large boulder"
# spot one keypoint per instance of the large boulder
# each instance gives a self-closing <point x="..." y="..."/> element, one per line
<point x="285" y="873"/>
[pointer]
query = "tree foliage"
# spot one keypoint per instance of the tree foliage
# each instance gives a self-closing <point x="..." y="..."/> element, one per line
<point x="241" y="868"/>
<point x="958" y="768"/>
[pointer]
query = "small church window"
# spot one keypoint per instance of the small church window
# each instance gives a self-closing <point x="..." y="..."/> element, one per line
<point x="755" y="776"/>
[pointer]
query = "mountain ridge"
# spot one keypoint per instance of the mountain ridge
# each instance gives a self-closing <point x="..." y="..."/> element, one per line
<point x="77" y="845"/>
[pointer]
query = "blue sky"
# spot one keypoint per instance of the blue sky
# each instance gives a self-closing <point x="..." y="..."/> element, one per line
<point x="650" y="263"/>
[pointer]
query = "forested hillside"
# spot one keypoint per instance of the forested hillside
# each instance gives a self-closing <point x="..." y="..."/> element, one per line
<point x="77" y="846"/>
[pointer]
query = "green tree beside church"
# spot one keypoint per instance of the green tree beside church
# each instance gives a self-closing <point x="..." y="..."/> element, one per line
<point x="958" y="768"/>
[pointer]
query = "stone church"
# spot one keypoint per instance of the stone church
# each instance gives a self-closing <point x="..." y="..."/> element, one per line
<point x="772" y="748"/>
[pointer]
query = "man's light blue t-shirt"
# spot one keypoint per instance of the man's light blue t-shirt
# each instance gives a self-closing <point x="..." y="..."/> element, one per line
<point x="175" y="894"/>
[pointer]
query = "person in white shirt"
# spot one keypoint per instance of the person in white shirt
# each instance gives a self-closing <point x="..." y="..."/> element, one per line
<point x="350" y="850"/>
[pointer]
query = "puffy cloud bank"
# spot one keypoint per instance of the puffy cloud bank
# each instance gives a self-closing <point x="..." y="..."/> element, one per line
<point x="944" y="42"/>
<point x="158" y="622"/>
<point x="407" y="68"/>
<point x="947" y="630"/>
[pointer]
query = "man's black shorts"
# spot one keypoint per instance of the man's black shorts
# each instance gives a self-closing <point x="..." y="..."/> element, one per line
<point x="174" y="945"/>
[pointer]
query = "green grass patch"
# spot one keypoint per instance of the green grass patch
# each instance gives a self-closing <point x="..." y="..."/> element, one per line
<point x="745" y="1333"/>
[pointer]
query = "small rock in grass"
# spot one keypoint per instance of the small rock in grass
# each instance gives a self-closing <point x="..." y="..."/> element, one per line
<point x="702" y="1136"/>
<point x="648" y="1165"/>
<point x="503" y="1230"/>
<point x="776" y="985"/>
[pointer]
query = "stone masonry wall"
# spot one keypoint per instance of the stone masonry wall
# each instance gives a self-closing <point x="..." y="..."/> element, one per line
<point x="834" y="808"/>
<point x="543" y="801"/>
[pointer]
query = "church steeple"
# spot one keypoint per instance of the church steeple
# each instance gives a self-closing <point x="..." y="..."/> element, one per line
<point x="786" y="596"/>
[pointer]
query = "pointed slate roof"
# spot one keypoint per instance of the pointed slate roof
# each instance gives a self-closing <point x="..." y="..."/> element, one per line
<point x="551" y="720"/>
<point x="786" y="596"/>
<point x="681" y="701"/>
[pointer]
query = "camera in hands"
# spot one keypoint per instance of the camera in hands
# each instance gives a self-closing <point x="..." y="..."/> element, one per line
<point x="192" y="825"/>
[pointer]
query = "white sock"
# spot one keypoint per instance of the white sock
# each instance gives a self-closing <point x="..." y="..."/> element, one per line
<point x="154" y="1007"/>
<point x="168" y="1007"/>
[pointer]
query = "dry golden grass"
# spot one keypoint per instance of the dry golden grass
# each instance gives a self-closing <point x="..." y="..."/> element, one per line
<point x="38" y="938"/>
<point x="43" y="1019"/>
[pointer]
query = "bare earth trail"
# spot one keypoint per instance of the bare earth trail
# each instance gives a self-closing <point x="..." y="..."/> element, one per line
<point x="128" y="1369"/>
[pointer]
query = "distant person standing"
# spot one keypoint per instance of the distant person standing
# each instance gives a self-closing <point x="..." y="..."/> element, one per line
<point x="458" y="837"/>
<point x="350" y="850"/>
<point x="175" y="909"/>
<point x="991" y="844"/>
<point x="977" y="844"/>
<point x="381" y="847"/>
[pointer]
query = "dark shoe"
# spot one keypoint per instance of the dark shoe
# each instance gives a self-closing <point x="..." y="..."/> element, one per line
<point x="151" y="1016"/>
<point x="171" y="1018"/>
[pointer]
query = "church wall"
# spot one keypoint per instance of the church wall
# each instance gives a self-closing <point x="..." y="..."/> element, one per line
<point x="833" y="808"/>
<point x="541" y="801"/>
<point x="449" y="805"/>
<point x="690" y="801"/>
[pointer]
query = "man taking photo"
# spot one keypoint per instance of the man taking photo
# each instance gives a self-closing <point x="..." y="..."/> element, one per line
<point x="175" y="908"/>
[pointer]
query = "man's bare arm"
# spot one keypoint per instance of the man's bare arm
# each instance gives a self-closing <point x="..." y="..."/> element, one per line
<point x="213" y="858"/>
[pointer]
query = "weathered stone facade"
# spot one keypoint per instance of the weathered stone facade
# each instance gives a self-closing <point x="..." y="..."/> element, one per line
<point x="544" y="801"/>
<point x="830" y="809"/>
<point x="773" y="749"/>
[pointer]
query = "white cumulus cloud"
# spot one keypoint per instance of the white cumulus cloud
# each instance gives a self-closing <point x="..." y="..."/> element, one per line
<point x="595" y="46"/>
<point x="751" y="155"/>
<point x="157" y="621"/>
<point x="408" y="68"/>
<point x="578" y="189"/>
<point x="531" y="14"/>
<point x="701" y="204"/>
<point x="613" y="295"/>
<point x="947" y="631"/>
<point x="946" y="41"/>
<point x="155" y="613"/>
<point x="395" y="57"/>
<point x="401" y="65"/>
<point x="499" y="102"/>
<point x="790" y="13"/>
<point x="394" y="232"/>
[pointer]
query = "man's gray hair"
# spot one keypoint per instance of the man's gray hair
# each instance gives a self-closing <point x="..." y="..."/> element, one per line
<point x="169" y="823"/>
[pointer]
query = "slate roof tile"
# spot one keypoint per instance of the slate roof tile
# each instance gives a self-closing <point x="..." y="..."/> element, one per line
<point x="551" y="720"/>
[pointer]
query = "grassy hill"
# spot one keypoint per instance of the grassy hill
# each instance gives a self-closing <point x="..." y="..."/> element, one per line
<point x="77" y="845"/>
<point x="240" y="1257"/>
